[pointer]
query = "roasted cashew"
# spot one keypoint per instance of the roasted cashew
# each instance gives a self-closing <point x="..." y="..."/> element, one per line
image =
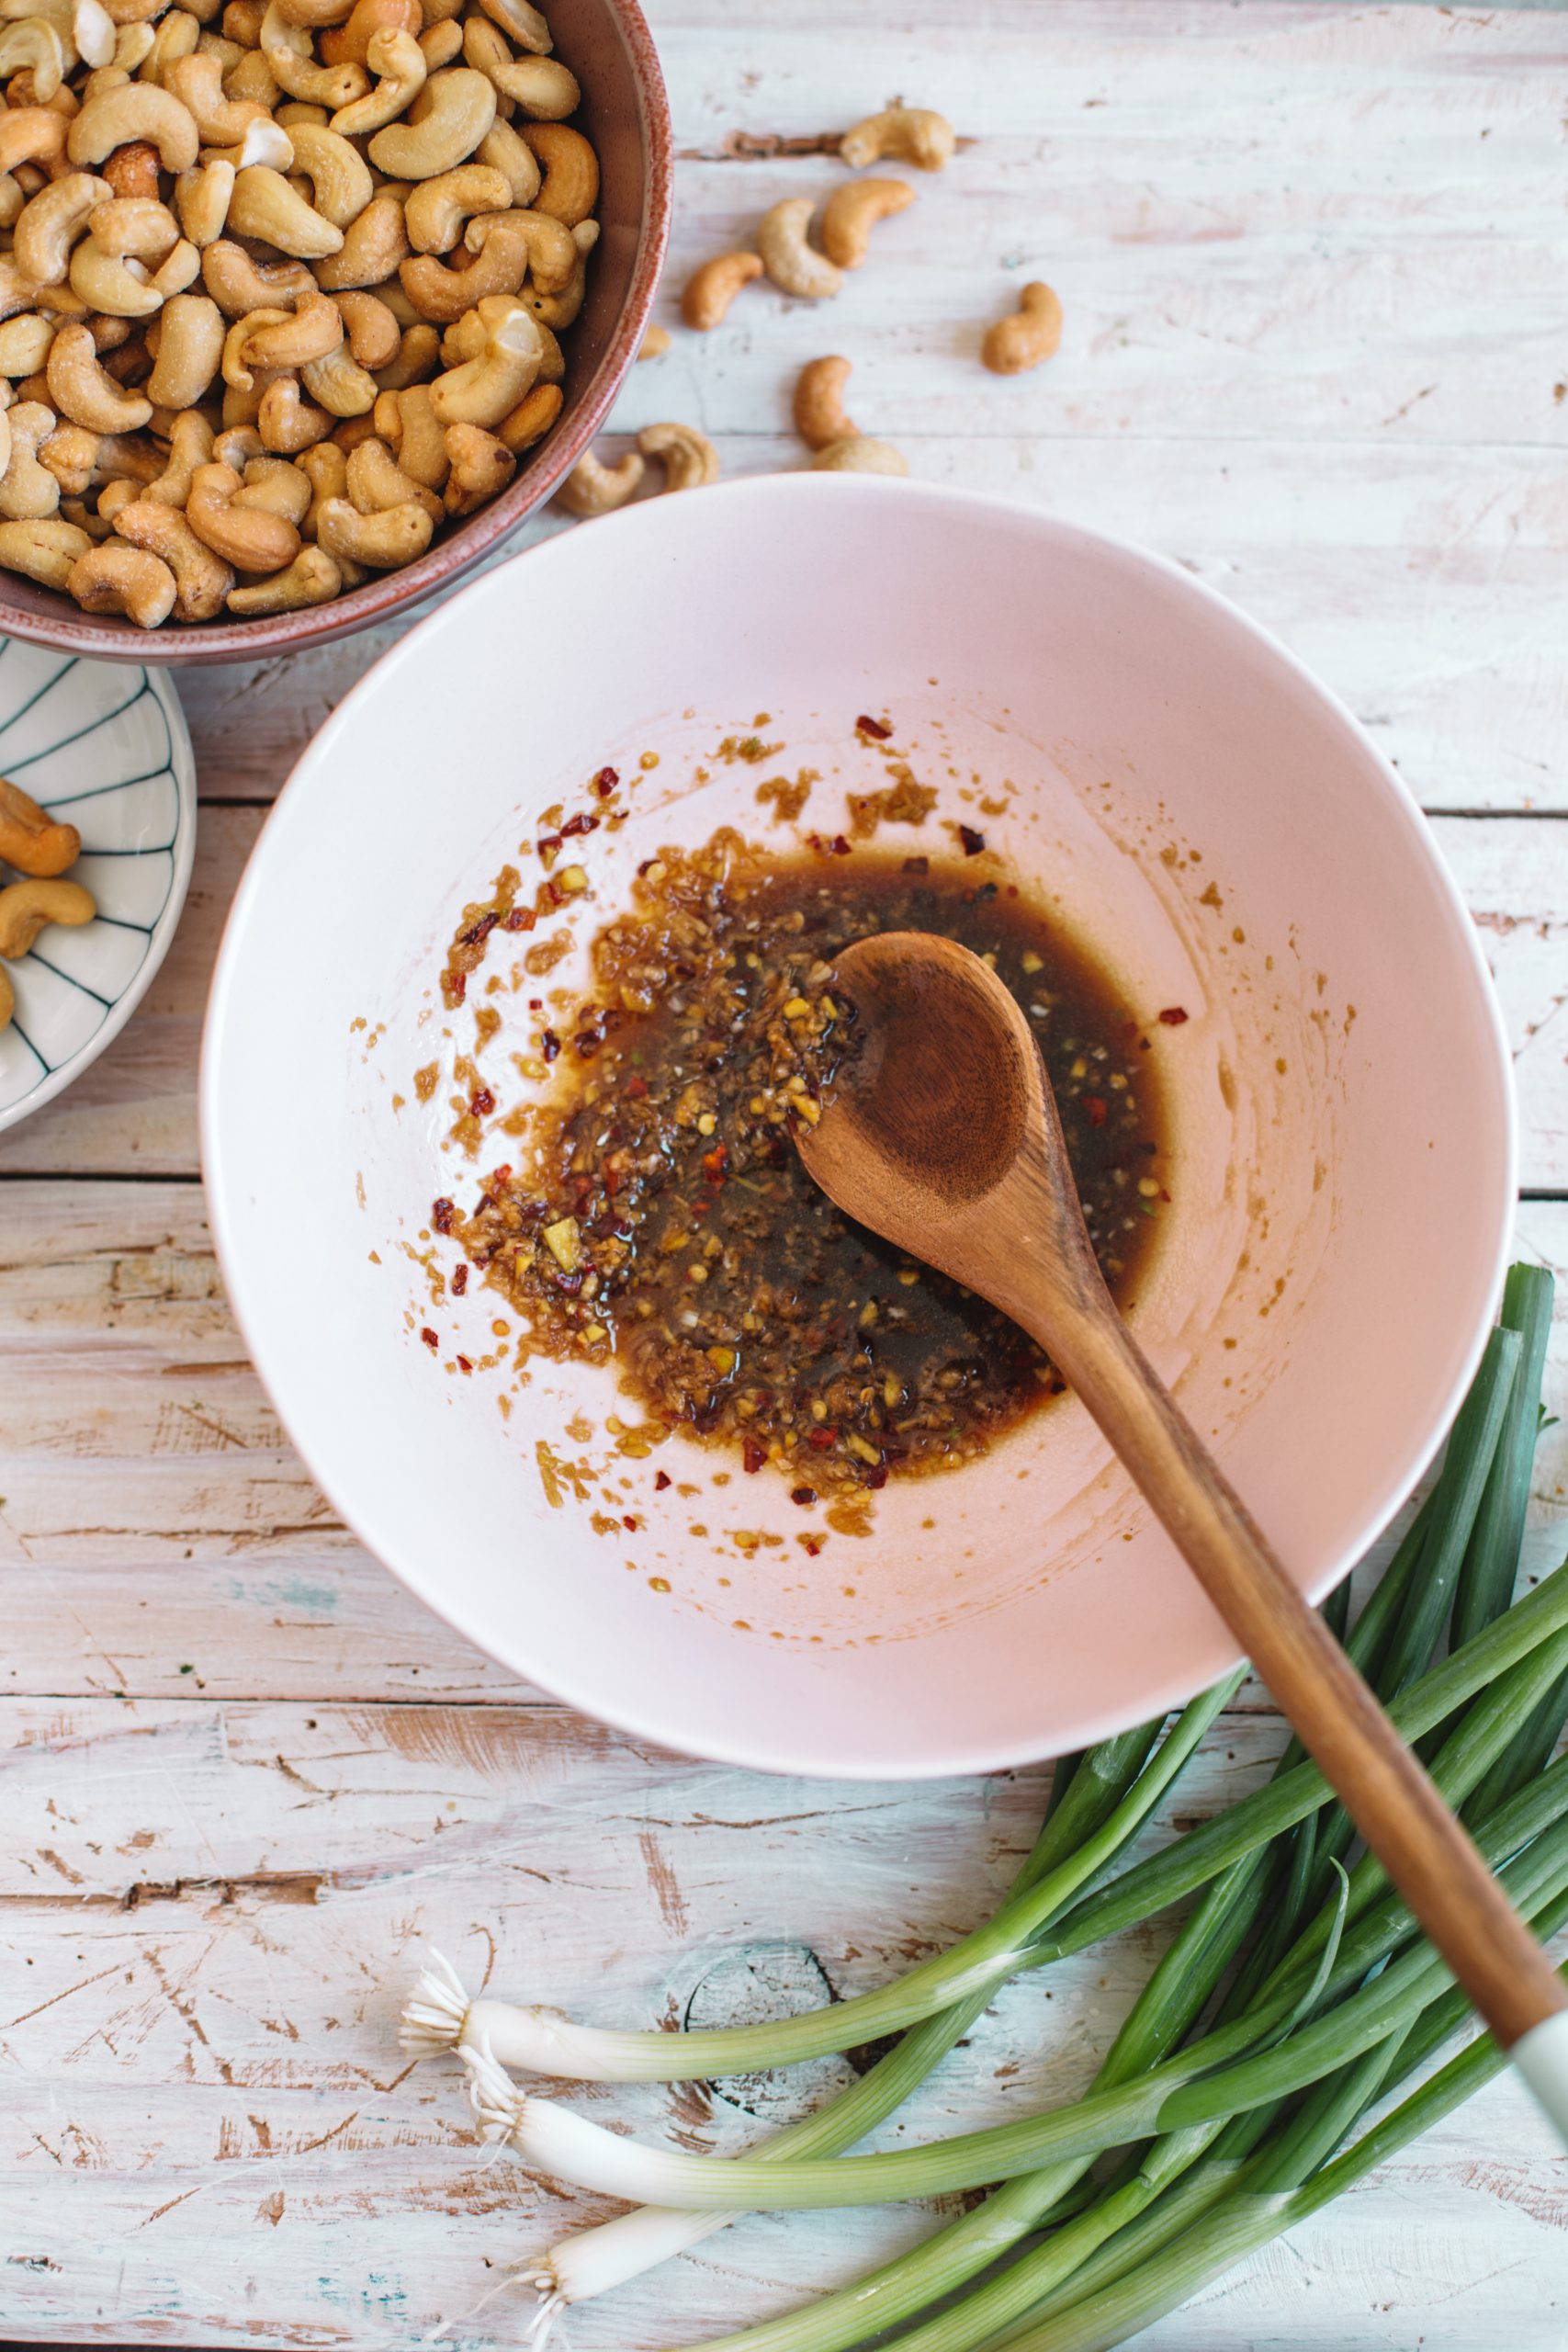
<point x="233" y="365"/>
<point x="398" y="61"/>
<point x="104" y="282"/>
<point x="128" y="458"/>
<point x="201" y="199"/>
<point x="265" y="206"/>
<point x="248" y="538"/>
<point x="506" y="151"/>
<point x="557" y="312"/>
<point x="70" y="454"/>
<point x="714" y="285"/>
<point x="190" y="345"/>
<point x="29" y="838"/>
<point x="408" y="422"/>
<point x="542" y="87"/>
<point x="593" y="488"/>
<point x="339" y="176"/>
<point x="441" y="46"/>
<point x="18" y="293"/>
<point x="32" y="135"/>
<point x="133" y="224"/>
<point x="242" y="21"/>
<point x="81" y="388"/>
<point x="174" y="38"/>
<point x="265" y="142"/>
<point x="33" y="46"/>
<point x="276" y="486"/>
<point x="374" y="480"/>
<point x="133" y="169"/>
<point x="655" y="343"/>
<point x="311" y="579"/>
<point x="383" y="541"/>
<point x="1023" y="341"/>
<point x="689" y="458"/>
<point x="240" y="285"/>
<point x="339" y="384"/>
<point x="531" y="419"/>
<point x="349" y="44"/>
<point x="288" y="422"/>
<point x="197" y="83"/>
<point x="905" y="134"/>
<point x="236" y="445"/>
<point x="523" y="23"/>
<point x="374" y="335"/>
<point x="138" y="110"/>
<point x="312" y="15"/>
<point x="502" y="243"/>
<point x="571" y="187"/>
<point x="202" y="579"/>
<point x="180" y="267"/>
<point x="27" y="907"/>
<point x="49" y="224"/>
<point x="489" y="387"/>
<point x="450" y="117"/>
<point x="853" y="210"/>
<point x="350" y="431"/>
<point x="481" y="467"/>
<point x="414" y="359"/>
<point x="253" y="78"/>
<point x="325" y="468"/>
<point x="438" y="211"/>
<point x="190" y="445"/>
<point x="44" y="550"/>
<point x="859" y="455"/>
<point x="310" y="332"/>
<point x="291" y="61"/>
<point x="24" y="343"/>
<point x="788" y="259"/>
<point x="819" y="416"/>
<point x="372" y="246"/>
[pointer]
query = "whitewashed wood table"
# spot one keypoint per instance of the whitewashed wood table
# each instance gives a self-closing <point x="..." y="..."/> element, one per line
<point x="1312" y="263"/>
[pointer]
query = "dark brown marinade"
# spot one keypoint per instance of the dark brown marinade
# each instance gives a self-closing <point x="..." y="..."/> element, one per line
<point x="665" y="1219"/>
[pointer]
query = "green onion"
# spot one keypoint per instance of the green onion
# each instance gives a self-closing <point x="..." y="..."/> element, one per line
<point x="1492" y="1559"/>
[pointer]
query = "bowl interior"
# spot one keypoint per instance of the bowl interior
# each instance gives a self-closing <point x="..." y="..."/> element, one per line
<point x="624" y="112"/>
<point x="1182" y="795"/>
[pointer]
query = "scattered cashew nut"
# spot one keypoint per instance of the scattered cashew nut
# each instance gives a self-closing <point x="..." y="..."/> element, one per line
<point x="860" y="454"/>
<point x="689" y="458"/>
<point x="819" y="417"/>
<point x="713" y="286"/>
<point x="27" y="907"/>
<point x="1029" y="336"/>
<point x="853" y="210"/>
<point x="29" y="838"/>
<point x="905" y="134"/>
<point x="789" y="260"/>
<point x="593" y="488"/>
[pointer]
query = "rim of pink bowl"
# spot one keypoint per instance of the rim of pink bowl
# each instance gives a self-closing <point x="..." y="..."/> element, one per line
<point x="455" y="554"/>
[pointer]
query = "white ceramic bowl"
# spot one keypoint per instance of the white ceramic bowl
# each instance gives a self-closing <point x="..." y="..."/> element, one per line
<point x="105" y="748"/>
<point x="1186" y="795"/>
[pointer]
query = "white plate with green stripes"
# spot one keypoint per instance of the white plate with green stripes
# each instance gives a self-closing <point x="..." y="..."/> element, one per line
<point x="105" y="748"/>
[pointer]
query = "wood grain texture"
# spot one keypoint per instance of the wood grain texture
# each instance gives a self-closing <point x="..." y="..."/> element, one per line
<point x="1311" y="258"/>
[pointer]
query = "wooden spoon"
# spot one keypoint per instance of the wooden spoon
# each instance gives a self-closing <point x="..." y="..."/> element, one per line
<point x="942" y="1134"/>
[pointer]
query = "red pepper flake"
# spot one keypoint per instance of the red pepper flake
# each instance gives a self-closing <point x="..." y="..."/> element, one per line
<point x="456" y="985"/>
<point x="636" y="1087"/>
<point x="442" y="1211"/>
<point x="1174" y="1016"/>
<point x="520" y="919"/>
<point x="606" y="782"/>
<point x="873" y="728"/>
<point x="479" y="931"/>
<point x="752" y="1456"/>
<point x="581" y="823"/>
<point x="661" y="1478"/>
<point x="839" y="846"/>
<point x="628" y="1520"/>
<point x="821" y="1439"/>
<point x="612" y="1181"/>
<point x="1097" y="1108"/>
<point x="463" y="1365"/>
<point x="428" y="1336"/>
<point x="803" y="1495"/>
<point x="716" y="1163"/>
<point x="587" y="1041"/>
<point x="701" y="1208"/>
<point x="459" y="1281"/>
<point x="974" y="842"/>
<point x="482" y="1102"/>
<point x="553" y="892"/>
<point x="547" y="844"/>
<point x="499" y="1178"/>
<point x="874" y="1475"/>
<point x="549" y="1045"/>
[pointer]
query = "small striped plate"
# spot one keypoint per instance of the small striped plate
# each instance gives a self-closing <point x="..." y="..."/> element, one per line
<point x="105" y="748"/>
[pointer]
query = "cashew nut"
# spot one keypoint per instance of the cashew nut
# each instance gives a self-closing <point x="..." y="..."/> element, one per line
<point x="291" y="62"/>
<point x="27" y="907"/>
<point x="34" y="47"/>
<point x="339" y="176"/>
<point x="339" y="384"/>
<point x="24" y="343"/>
<point x="714" y="285"/>
<point x="905" y="134"/>
<point x="542" y="87"/>
<point x="311" y="13"/>
<point x="819" y="416"/>
<point x="239" y="284"/>
<point x="408" y="422"/>
<point x="265" y="142"/>
<point x="190" y="445"/>
<point x="488" y="387"/>
<point x="788" y="259"/>
<point x="503" y="245"/>
<point x="263" y="205"/>
<point x="481" y="467"/>
<point x="349" y="43"/>
<point x="571" y="187"/>
<point x="857" y="455"/>
<point x="310" y="332"/>
<point x="414" y="359"/>
<point x="104" y="282"/>
<point x="372" y="246"/>
<point x="398" y="61"/>
<point x="521" y="22"/>
<point x="133" y="224"/>
<point x="382" y="541"/>
<point x="531" y="419"/>
<point x="449" y="118"/>
<point x="506" y="151"/>
<point x="438" y="211"/>
<point x="190" y="344"/>
<point x="853" y="210"/>
<point x="288" y="422"/>
<point x="202" y="579"/>
<point x="126" y="457"/>
<point x="70" y="453"/>
<point x="29" y="838"/>
<point x="558" y="310"/>
<point x="311" y="579"/>
<point x="248" y="538"/>
<point x="1023" y="341"/>
<point x="374" y="480"/>
<point x="197" y="83"/>
<point x="138" y="110"/>
<point x="593" y="488"/>
<point x="32" y="135"/>
<point x="441" y="46"/>
<point x="374" y="335"/>
<point x="201" y="199"/>
<point x="690" y="460"/>
<point x="51" y="224"/>
<point x="325" y="468"/>
<point x="82" y="391"/>
<point x="44" y="550"/>
<point x="133" y="169"/>
<point x="117" y="578"/>
<point x="276" y="486"/>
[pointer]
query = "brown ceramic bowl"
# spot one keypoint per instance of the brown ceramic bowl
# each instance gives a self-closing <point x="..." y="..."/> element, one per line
<point x="624" y="113"/>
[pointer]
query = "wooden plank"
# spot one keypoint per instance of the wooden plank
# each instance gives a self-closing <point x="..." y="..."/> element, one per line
<point x="134" y="1110"/>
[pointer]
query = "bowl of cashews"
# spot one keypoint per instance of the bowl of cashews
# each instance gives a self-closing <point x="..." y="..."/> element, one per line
<point x="304" y="304"/>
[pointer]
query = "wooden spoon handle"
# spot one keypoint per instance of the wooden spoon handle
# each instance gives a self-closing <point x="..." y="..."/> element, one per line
<point x="1425" y="1851"/>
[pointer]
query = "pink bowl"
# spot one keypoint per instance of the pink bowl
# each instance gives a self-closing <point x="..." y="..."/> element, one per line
<point x="624" y="113"/>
